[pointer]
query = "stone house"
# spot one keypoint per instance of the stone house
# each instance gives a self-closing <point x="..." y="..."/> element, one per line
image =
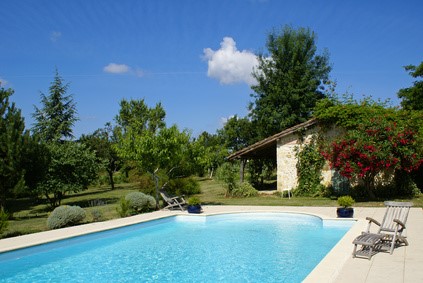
<point x="281" y="147"/>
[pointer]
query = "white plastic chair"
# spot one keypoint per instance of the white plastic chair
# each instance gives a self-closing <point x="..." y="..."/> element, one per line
<point x="288" y="190"/>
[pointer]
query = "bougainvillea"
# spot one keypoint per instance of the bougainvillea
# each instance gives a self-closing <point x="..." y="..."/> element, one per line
<point x="377" y="145"/>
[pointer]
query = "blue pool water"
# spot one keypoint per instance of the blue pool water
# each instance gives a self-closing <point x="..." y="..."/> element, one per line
<point x="245" y="247"/>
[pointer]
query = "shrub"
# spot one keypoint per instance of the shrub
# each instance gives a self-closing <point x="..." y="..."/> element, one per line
<point x="183" y="186"/>
<point x="123" y="209"/>
<point x="3" y="220"/>
<point x="103" y="179"/>
<point x="309" y="168"/>
<point x="345" y="201"/>
<point x="139" y="202"/>
<point x="376" y="146"/>
<point x="64" y="216"/>
<point x="146" y="184"/>
<point x="227" y="173"/>
<point x="119" y="178"/>
<point x="244" y="189"/>
<point x="97" y="215"/>
<point x="194" y="201"/>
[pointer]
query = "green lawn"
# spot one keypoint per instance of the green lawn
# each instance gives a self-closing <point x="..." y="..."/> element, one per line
<point x="30" y="216"/>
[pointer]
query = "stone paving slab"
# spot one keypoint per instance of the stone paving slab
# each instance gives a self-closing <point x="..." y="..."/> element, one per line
<point x="404" y="265"/>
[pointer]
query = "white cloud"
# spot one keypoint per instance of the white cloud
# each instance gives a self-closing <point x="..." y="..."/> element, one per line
<point x="3" y="82"/>
<point x="229" y="65"/>
<point x="114" y="68"/>
<point x="55" y="35"/>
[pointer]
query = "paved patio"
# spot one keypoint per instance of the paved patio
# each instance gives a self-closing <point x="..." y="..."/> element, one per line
<point x="404" y="265"/>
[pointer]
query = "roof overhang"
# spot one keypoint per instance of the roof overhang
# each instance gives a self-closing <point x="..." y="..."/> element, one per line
<point x="267" y="148"/>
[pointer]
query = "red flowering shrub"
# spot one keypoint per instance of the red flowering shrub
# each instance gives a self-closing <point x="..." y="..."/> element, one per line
<point x="376" y="145"/>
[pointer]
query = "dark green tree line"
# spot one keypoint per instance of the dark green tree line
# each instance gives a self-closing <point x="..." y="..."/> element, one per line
<point x="12" y="142"/>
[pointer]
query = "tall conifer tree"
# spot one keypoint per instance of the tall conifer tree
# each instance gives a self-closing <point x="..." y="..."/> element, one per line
<point x="56" y="117"/>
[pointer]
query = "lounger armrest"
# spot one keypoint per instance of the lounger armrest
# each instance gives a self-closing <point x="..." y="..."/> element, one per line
<point x="175" y="198"/>
<point x="371" y="220"/>
<point x="400" y="223"/>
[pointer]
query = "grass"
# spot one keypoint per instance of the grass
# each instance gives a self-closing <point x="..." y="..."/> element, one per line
<point x="29" y="216"/>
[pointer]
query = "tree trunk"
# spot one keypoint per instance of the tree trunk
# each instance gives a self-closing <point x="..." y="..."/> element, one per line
<point x="156" y="182"/>
<point x="242" y="169"/>
<point x="3" y="202"/>
<point x="369" y="184"/>
<point x="111" y="181"/>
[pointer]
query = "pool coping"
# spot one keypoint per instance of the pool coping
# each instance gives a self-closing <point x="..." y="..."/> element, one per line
<point x="326" y="271"/>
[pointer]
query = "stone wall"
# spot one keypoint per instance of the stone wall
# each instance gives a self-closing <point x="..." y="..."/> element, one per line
<point x="287" y="161"/>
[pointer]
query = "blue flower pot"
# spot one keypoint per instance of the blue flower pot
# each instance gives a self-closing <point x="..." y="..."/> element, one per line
<point x="194" y="208"/>
<point x="345" y="212"/>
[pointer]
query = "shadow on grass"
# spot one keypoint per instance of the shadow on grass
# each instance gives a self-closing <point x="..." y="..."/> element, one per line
<point x="212" y="203"/>
<point x="94" y="202"/>
<point x="29" y="207"/>
<point x="100" y="190"/>
<point x="269" y="186"/>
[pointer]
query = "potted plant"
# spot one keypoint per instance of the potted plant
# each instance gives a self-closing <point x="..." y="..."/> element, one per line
<point x="194" y="205"/>
<point x="345" y="211"/>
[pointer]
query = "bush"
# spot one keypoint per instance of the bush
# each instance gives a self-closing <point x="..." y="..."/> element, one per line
<point x="244" y="189"/>
<point x="227" y="173"/>
<point x="64" y="216"/>
<point x="146" y="184"/>
<point x="97" y="215"/>
<point x="123" y="209"/>
<point x="346" y="201"/>
<point x="194" y="201"/>
<point x="3" y="220"/>
<point x="119" y="178"/>
<point x="139" y="202"/>
<point x="309" y="168"/>
<point x="183" y="186"/>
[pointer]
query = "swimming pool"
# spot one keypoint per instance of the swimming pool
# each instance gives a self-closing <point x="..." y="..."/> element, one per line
<point x="243" y="247"/>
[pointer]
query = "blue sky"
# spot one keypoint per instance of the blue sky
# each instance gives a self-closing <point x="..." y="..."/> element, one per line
<point x="193" y="56"/>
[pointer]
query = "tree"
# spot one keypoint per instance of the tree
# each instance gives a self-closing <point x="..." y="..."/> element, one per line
<point x="412" y="97"/>
<point x="72" y="168"/>
<point x="145" y="140"/>
<point x="36" y="162"/>
<point x="237" y="133"/>
<point x="134" y="118"/>
<point x="165" y="149"/>
<point x="12" y="141"/>
<point x="54" y="121"/>
<point x="135" y="114"/>
<point x="290" y="80"/>
<point x="102" y="142"/>
<point x="208" y="152"/>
